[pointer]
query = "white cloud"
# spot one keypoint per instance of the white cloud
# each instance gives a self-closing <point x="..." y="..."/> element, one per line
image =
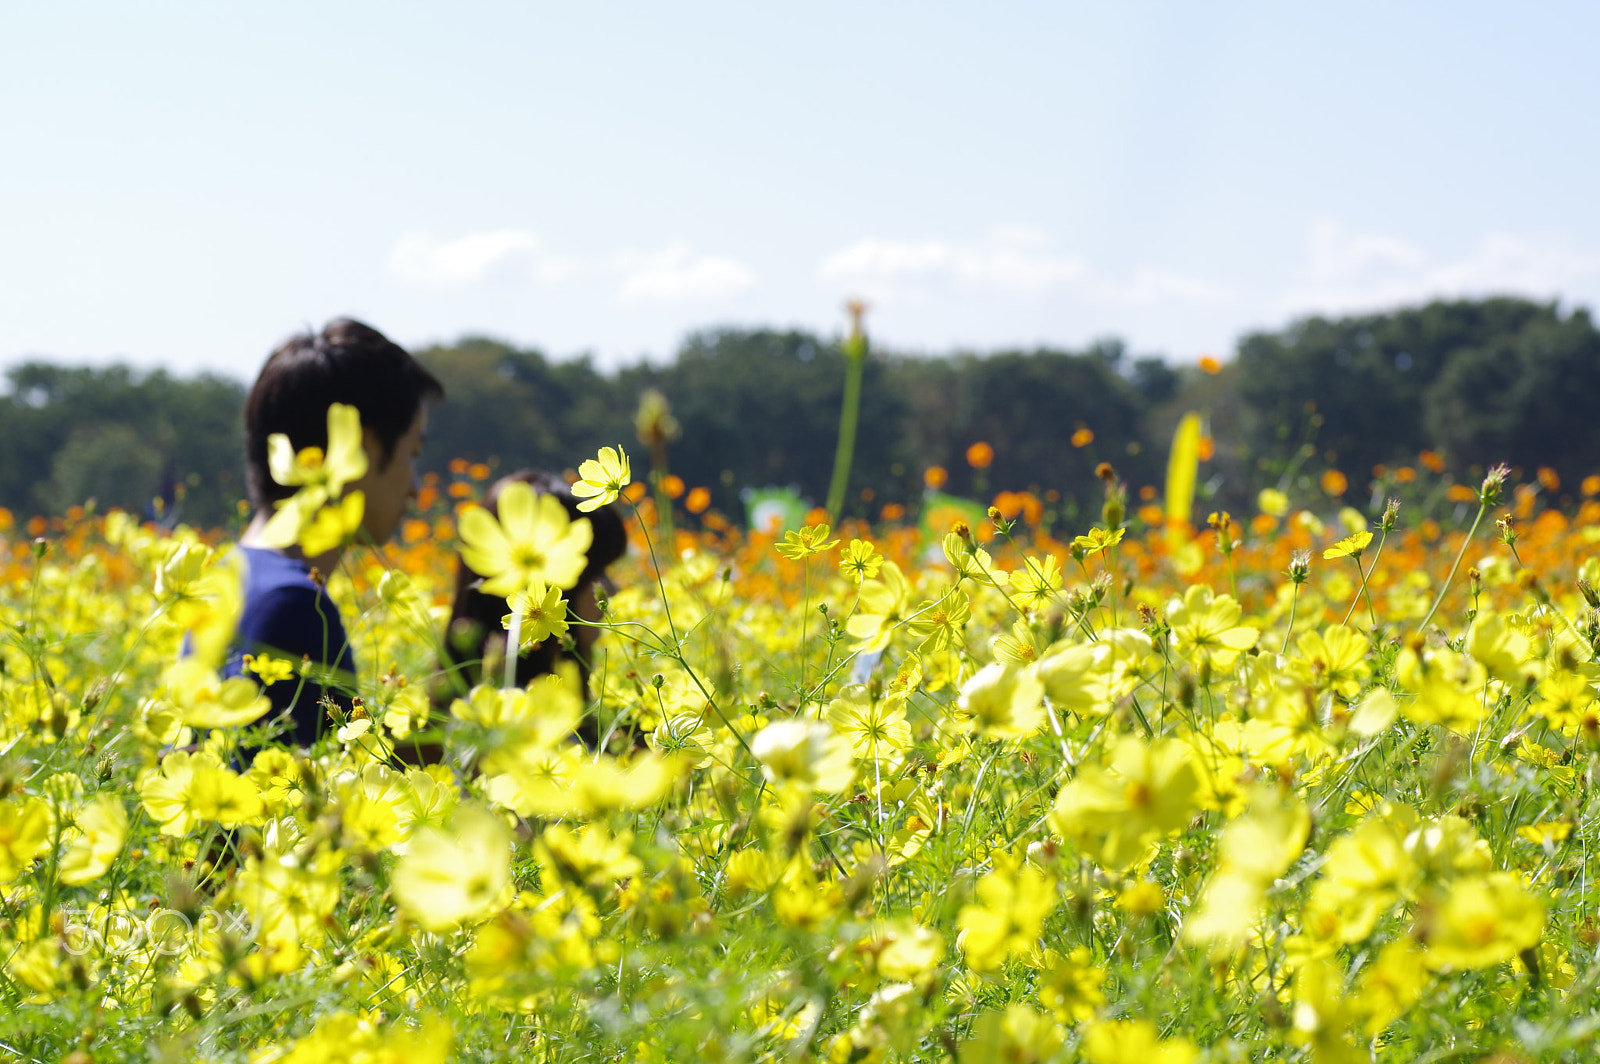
<point x="679" y="274"/>
<point x="1017" y="261"/>
<point x="1362" y="271"/>
<point x="1150" y="287"/>
<point x="421" y="259"/>
<point x="674" y="274"/>
<point x="1010" y="260"/>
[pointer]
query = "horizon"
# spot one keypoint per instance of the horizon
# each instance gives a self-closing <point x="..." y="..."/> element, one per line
<point x="613" y="367"/>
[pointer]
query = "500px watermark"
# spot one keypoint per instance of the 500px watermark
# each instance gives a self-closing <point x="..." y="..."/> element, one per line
<point x="164" y="931"/>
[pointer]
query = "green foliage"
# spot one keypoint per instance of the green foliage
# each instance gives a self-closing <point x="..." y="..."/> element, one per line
<point x="1026" y="405"/>
<point x="121" y="438"/>
<point x="518" y="407"/>
<point x="1525" y="398"/>
<point x="1484" y="380"/>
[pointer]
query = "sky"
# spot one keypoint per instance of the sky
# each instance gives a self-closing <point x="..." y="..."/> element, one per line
<point x="185" y="185"/>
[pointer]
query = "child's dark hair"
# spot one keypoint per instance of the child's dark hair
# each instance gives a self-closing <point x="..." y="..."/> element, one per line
<point x="347" y="362"/>
<point x="475" y="629"/>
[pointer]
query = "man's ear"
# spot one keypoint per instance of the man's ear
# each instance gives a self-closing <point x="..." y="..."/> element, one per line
<point x="374" y="448"/>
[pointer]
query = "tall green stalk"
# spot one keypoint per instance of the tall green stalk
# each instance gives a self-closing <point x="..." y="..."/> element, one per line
<point x="855" y="357"/>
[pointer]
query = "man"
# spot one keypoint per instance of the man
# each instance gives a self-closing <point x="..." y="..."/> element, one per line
<point x="287" y="612"/>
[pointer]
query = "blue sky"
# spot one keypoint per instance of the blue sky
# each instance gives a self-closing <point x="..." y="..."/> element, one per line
<point x="186" y="184"/>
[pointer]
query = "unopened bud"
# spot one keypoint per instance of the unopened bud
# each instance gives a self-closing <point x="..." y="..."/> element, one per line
<point x="1299" y="566"/>
<point x="1494" y="483"/>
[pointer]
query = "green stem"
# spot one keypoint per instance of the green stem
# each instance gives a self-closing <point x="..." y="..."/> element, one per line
<point x="658" y="478"/>
<point x="1356" y="601"/>
<point x="1294" y="601"/>
<point x="855" y="365"/>
<point x="1483" y="508"/>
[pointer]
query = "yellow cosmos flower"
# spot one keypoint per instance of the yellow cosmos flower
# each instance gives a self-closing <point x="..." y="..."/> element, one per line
<point x="1013" y="901"/>
<point x="1367" y="871"/>
<point x="602" y="479"/>
<point x="334" y="525"/>
<point x="344" y="461"/>
<point x="1255" y="849"/>
<point x="972" y="562"/>
<point x="165" y="791"/>
<point x="1037" y="584"/>
<point x="861" y="561"/>
<point x="1070" y="983"/>
<point x="812" y="539"/>
<point x="544" y="613"/>
<point x="1334" y="660"/>
<point x="1098" y="540"/>
<point x="269" y="670"/>
<point x="590" y="856"/>
<point x="1016" y="647"/>
<point x="1206" y="628"/>
<point x="905" y="950"/>
<point x="222" y="795"/>
<point x="24" y="835"/>
<point x="1116" y="812"/>
<point x="206" y="592"/>
<point x="939" y="623"/>
<point x="102" y="827"/>
<point x="1484" y="921"/>
<point x="291" y="899"/>
<point x="1134" y="1042"/>
<point x="1001" y="702"/>
<point x="344" y="1036"/>
<point x="877" y="731"/>
<point x="1272" y="501"/>
<point x="1020" y="1033"/>
<point x="533" y="542"/>
<point x="204" y="699"/>
<point x="561" y="782"/>
<point x="321" y="476"/>
<point x="1350" y="546"/>
<point x="884" y="604"/>
<point x="463" y="876"/>
<point x="804" y="754"/>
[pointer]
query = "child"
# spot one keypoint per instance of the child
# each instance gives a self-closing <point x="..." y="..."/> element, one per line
<point x="476" y="634"/>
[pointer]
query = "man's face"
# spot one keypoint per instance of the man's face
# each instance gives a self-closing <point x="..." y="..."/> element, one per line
<point x="390" y="488"/>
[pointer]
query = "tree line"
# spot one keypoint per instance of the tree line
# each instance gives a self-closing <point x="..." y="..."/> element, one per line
<point x="1479" y="381"/>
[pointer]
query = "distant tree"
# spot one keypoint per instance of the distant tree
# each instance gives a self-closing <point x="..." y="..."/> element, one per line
<point x="1527" y="398"/>
<point x="1027" y="406"/>
<point x="71" y="433"/>
<point x="516" y="407"/>
<point x="111" y="464"/>
<point x="1365" y="378"/>
<point x="1154" y="379"/>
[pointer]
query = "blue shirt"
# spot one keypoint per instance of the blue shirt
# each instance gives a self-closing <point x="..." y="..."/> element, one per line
<point x="287" y="616"/>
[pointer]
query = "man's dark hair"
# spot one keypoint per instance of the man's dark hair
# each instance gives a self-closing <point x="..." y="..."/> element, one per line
<point x="347" y="362"/>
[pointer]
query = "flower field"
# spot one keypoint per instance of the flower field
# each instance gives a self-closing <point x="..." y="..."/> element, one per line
<point x="1308" y="784"/>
